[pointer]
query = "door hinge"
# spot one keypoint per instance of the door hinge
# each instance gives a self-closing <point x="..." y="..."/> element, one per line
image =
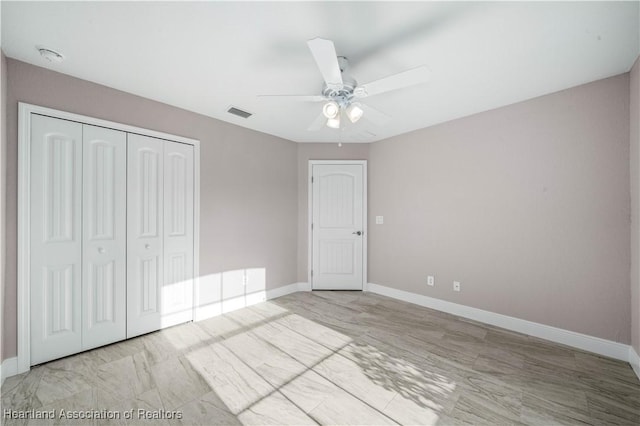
<point x="312" y="272"/>
<point x="311" y="179"/>
<point x="312" y="226"/>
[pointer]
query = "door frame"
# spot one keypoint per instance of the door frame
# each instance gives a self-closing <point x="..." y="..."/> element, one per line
<point x="365" y="230"/>
<point x="25" y="111"/>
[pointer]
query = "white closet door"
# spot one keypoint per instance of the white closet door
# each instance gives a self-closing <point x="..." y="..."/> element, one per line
<point x="56" y="238"/>
<point x="177" y="291"/>
<point x="104" y="236"/>
<point x="145" y="211"/>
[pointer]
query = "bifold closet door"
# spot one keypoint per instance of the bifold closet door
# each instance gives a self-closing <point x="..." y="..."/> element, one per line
<point x="159" y="233"/>
<point x="78" y="237"/>
<point x="104" y="236"/>
<point x="144" y="234"/>
<point x="55" y="238"/>
<point x="177" y="301"/>
<point x="110" y="236"/>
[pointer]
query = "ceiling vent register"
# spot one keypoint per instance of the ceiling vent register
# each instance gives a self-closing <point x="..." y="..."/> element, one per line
<point x="239" y="112"/>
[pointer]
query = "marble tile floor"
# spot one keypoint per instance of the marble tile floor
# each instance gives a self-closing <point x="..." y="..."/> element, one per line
<point x="330" y="358"/>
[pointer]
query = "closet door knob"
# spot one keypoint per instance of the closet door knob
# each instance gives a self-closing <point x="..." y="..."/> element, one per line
<point x="101" y="250"/>
<point x="147" y="246"/>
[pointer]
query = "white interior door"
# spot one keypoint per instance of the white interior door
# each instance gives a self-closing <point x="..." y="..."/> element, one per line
<point x="338" y="218"/>
<point x="55" y="238"/>
<point x="104" y="236"/>
<point x="145" y="211"/>
<point x="177" y="289"/>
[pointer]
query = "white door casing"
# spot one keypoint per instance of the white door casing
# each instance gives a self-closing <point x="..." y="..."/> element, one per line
<point x="177" y="289"/>
<point x="55" y="238"/>
<point x="338" y="231"/>
<point x="104" y="236"/>
<point x="145" y="211"/>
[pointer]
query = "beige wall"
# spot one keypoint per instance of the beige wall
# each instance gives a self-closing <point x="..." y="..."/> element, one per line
<point x="526" y="205"/>
<point x="317" y="151"/>
<point x="634" y="137"/>
<point x="248" y="179"/>
<point x="3" y="158"/>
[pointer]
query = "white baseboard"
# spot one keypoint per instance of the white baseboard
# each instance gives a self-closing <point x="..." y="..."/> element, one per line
<point x="570" y="338"/>
<point x="282" y="291"/>
<point x="304" y="287"/>
<point x="9" y="368"/>
<point x="634" y="360"/>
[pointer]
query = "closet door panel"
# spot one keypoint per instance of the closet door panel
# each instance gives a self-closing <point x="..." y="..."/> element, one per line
<point x="104" y="236"/>
<point x="177" y="306"/>
<point x="144" y="234"/>
<point x="55" y="238"/>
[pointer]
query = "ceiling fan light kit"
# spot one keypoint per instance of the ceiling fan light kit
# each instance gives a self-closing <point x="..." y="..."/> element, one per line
<point x="331" y="109"/>
<point x="354" y="112"/>
<point x="334" y="123"/>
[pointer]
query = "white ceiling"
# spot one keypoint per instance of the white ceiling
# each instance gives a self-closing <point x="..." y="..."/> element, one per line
<point x="207" y="56"/>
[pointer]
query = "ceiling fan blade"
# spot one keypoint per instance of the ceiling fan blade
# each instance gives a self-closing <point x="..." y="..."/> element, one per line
<point x="396" y="81"/>
<point x="374" y="115"/>
<point x="317" y="123"/>
<point x="300" y="98"/>
<point x="324" y="52"/>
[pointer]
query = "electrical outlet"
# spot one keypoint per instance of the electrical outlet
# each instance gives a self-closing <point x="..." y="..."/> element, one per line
<point x="456" y="286"/>
<point x="431" y="280"/>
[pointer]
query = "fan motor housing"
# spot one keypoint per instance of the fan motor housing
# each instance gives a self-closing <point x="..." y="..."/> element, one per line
<point x="342" y="95"/>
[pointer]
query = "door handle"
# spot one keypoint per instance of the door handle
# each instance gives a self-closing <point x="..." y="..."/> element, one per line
<point x="101" y="250"/>
<point x="357" y="232"/>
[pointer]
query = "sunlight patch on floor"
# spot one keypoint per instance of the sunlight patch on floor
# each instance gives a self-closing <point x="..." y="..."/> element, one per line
<point x="279" y="365"/>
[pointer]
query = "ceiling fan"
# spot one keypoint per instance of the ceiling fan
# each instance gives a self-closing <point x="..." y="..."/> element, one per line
<point x="342" y="92"/>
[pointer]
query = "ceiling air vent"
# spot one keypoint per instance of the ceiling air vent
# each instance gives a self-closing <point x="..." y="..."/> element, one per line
<point x="239" y="112"/>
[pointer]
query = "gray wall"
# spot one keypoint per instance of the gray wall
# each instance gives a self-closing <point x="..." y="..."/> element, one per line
<point x="248" y="179"/>
<point x="634" y="137"/>
<point x="317" y="151"/>
<point x="527" y="205"/>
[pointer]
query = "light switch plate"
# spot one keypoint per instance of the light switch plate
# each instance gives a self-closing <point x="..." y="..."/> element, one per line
<point x="379" y="220"/>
